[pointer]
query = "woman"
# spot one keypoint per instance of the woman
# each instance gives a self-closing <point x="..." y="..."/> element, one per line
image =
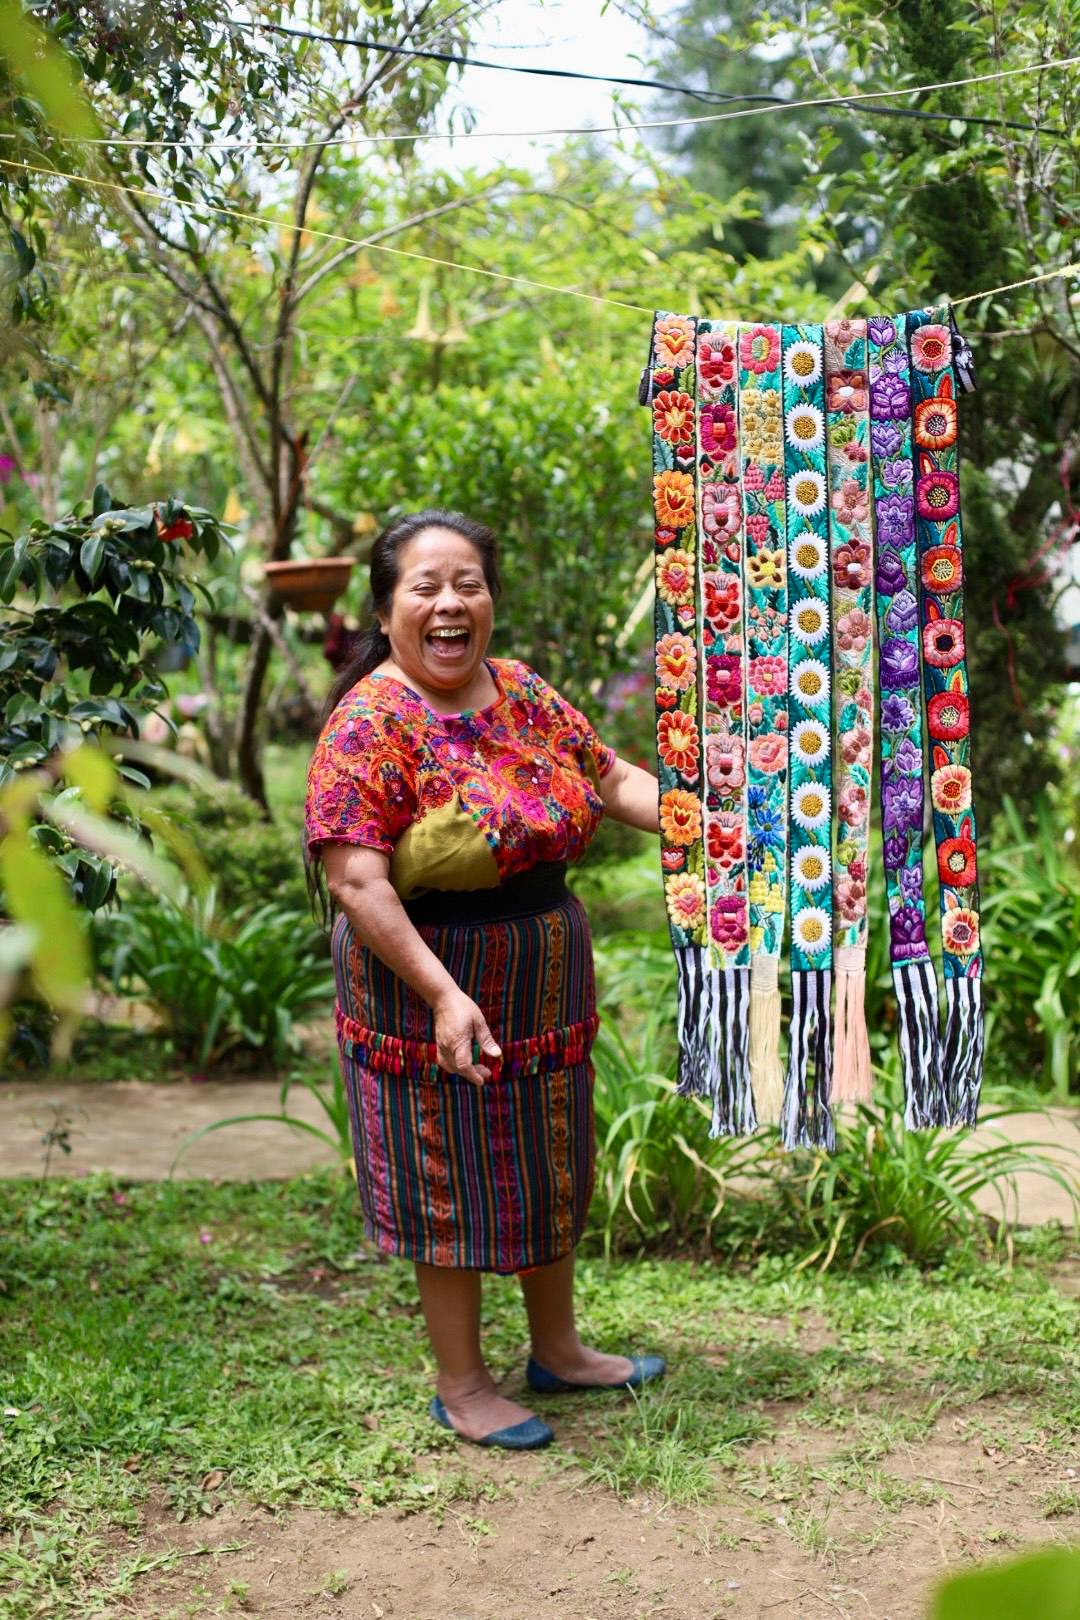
<point x="445" y="797"/>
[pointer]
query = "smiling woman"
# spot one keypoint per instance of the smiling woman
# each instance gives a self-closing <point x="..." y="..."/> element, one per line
<point x="447" y="793"/>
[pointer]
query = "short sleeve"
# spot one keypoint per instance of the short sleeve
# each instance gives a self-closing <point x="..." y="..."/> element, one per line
<point x="361" y="786"/>
<point x="571" y="729"/>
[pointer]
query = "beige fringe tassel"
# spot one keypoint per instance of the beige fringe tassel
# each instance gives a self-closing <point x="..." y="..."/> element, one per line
<point x="766" y="1075"/>
<point x="851" y="1077"/>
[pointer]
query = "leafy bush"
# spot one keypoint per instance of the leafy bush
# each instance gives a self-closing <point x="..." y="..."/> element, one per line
<point x="251" y="860"/>
<point x="1032" y="930"/>
<point x="219" y="991"/>
<point x="911" y="1191"/>
<point x="659" y="1177"/>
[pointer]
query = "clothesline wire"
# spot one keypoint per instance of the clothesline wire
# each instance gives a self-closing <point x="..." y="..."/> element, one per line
<point x="458" y="60"/>
<point x="447" y="264"/>
<point x="855" y="96"/>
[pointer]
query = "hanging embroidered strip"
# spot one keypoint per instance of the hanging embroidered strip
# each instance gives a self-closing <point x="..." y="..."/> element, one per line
<point x="778" y="454"/>
<point x="901" y="739"/>
<point x="722" y="655"/>
<point x="672" y="388"/>
<point x="806" y="1120"/>
<point x="948" y="721"/>
<point x="761" y="459"/>
<point x="852" y="562"/>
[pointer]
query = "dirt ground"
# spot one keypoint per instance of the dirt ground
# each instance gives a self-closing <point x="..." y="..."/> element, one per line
<point x="550" y="1549"/>
<point x="801" y="1531"/>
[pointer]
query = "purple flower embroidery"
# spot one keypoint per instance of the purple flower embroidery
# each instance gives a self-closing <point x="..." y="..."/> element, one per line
<point x="907" y="759"/>
<point x="911" y="883"/>
<point x="885" y="438"/>
<point x="881" y="330"/>
<point x="899" y="663"/>
<point x="896" y="521"/>
<point x="890" y="400"/>
<point x="896" y="713"/>
<point x="897" y="474"/>
<point x="903" y="614"/>
<point x="890" y="574"/>
<point x="901" y="804"/>
<point x="908" y="934"/>
<point x="894" y="850"/>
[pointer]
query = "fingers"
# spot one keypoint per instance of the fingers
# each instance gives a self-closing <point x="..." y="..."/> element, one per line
<point x="456" y="1049"/>
<point x="484" y="1038"/>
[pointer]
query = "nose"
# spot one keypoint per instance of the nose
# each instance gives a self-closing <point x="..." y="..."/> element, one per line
<point x="449" y="601"/>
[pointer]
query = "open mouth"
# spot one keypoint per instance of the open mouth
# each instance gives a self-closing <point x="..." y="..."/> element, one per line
<point x="448" y="640"/>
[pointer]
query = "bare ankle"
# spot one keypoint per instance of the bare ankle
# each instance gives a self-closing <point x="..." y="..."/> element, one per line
<point x="464" y="1386"/>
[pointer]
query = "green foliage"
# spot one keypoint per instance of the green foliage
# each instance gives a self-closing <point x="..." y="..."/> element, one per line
<point x="556" y="469"/>
<point x="222" y="990"/>
<point x="912" y="1192"/>
<point x="1044" y="1583"/>
<point x="1032" y="908"/>
<point x="660" y="1180"/>
<point x="250" y="860"/>
<point x="106" y="587"/>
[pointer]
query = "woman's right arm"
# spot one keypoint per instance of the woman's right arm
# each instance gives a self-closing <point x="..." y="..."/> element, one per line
<point x="358" y="878"/>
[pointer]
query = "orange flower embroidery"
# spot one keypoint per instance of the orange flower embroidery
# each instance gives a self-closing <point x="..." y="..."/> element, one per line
<point x="680" y="817"/>
<point x="673" y="498"/>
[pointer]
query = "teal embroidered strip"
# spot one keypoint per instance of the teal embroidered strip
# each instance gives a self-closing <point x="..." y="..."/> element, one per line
<point x="901" y="736"/>
<point x="946" y="690"/>
<point x="806" y="1113"/>
<point x="852" y="561"/>
<point x="722" y="654"/>
<point x="761" y="451"/>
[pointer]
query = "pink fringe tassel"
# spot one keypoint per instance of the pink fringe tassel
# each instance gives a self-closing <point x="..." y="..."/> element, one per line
<point x="851" y="1078"/>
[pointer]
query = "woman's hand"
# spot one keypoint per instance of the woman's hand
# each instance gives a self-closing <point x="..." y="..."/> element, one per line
<point x="458" y="1023"/>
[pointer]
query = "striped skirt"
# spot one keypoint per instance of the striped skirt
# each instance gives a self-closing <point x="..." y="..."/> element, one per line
<point x="495" y="1177"/>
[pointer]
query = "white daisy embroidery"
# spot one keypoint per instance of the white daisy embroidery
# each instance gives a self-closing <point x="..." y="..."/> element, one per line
<point x="806" y="493"/>
<point x="802" y="364"/>
<point x="810" y="806"/>
<point x="811" y="867"/>
<point x="810" y="742"/>
<point x="804" y="427"/>
<point x="807" y="557"/>
<point x="809" y="622"/>
<point x="812" y="930"/>
<point x="810" y="682"/>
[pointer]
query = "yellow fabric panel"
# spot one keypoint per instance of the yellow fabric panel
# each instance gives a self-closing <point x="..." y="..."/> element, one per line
<point x="446" y="850"/>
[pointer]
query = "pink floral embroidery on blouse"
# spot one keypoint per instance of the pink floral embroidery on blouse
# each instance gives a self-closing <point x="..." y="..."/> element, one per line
<point x="525" y="769"/>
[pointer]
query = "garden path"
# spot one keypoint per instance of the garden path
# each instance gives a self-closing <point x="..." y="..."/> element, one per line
<point x="135" y="1128"/>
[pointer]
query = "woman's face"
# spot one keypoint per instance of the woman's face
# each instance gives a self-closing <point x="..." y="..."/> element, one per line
<point x="440" y="617"/>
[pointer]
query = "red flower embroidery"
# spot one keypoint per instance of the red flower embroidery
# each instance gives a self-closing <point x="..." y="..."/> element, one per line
<point x="948" y="716"/>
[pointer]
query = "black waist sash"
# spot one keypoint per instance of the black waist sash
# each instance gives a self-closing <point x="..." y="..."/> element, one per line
<point x="541" y="888"/>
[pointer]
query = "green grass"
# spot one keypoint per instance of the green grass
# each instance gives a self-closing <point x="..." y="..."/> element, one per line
<point x="184" y="1344"/>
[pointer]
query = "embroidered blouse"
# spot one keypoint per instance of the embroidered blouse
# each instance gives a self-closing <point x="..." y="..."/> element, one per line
<point x="458" y="801"/>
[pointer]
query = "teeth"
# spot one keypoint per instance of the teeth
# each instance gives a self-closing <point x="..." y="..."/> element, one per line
<point x="449" y="635"/>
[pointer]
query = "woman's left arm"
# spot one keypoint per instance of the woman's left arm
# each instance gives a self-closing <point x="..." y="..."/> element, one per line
<point x="631" y="795"/>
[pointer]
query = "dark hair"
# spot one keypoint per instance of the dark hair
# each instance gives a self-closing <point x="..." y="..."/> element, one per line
<point x="384" y="572"/>
<point x="374" y="646"/>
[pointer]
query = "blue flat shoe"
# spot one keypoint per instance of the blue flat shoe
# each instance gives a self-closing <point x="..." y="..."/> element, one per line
<point x="542" y="1382"/>
<point x="528" y="1436"/>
